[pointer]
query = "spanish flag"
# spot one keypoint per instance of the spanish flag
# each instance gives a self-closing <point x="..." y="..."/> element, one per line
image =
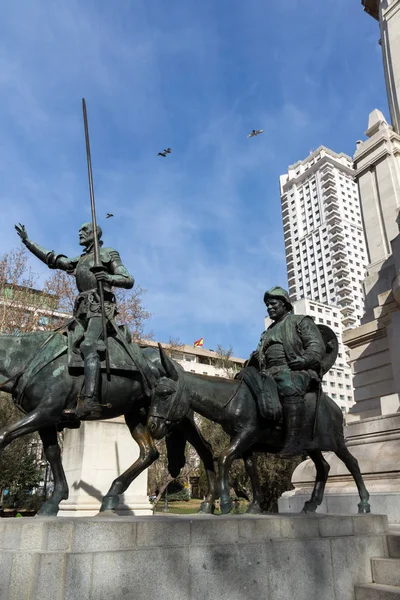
<point x="199" y="343"/>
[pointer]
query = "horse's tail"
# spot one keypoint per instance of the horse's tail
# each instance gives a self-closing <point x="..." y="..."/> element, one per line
<point x="176" y="445"/>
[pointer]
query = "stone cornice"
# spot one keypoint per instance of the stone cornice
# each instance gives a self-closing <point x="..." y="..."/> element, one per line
<point x="372" y="8"/>
<point x="364" y="334"/>
<point x="377" y="157"/>
<point x="391" y="10"/>
<point x="388" y="143"/>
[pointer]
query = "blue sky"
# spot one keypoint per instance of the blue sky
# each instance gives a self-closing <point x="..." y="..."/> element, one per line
<point x="200" y="230"/>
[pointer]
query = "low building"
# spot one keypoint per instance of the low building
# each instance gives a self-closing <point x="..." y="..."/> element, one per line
<point x="24" y="309"/>
<point x="202" y="360"/>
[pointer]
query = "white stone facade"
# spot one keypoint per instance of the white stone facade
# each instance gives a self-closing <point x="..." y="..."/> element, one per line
<point x="377" y="164"/>
<point x="324" y="241"/>
<point x="201" y="361"/>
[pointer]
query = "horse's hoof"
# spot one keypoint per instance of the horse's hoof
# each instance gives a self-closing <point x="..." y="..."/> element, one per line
<point x="309" y="507"/>
<point x="207" y="508"/>
<point x="107" y="513"/>
<point x="364" y="508"/>
<point x="226" y="507"/>
<point x="254" y="509"/>
<point x="48" y="510"/>
<point x="109" y="504"/>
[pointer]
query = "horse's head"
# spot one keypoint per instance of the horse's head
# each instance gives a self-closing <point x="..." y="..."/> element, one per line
<point x="168" y="404"/>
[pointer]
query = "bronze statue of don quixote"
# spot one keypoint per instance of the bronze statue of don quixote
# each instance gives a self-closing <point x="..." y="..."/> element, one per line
<point x="90" y="369"/>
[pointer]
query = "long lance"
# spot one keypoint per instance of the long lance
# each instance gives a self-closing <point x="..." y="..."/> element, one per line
<point x="97" y="267"/>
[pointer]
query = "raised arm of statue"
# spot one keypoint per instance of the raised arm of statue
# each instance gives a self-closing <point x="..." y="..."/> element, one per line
<point x="49" y="257"/>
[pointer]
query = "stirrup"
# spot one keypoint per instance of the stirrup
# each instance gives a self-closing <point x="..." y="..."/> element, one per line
<point x="85" y="407"/>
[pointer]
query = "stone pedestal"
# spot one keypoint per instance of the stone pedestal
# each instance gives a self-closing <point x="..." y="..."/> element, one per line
<point x="189" y="557"/>
<point x="93" y="456"/>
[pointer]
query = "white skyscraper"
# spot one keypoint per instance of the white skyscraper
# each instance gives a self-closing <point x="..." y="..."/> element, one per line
<point x="325" y="249"/>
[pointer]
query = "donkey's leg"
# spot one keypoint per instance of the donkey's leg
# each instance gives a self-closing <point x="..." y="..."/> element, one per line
<point x="148" y="454"/>
<point x="250" y="463"/>
<point x="352" y="464"/>
<point x="323" y="469"/>
<point x="238" y="446"/>
<point x="204" y="450"/>
<point x="53" y="455"/>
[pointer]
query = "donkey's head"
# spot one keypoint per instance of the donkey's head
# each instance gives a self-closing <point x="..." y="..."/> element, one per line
<point x="168" y="404"/>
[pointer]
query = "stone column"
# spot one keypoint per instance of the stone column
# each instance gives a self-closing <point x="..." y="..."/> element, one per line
<point x="377" y="166"/>
<point x="93" y="456"/>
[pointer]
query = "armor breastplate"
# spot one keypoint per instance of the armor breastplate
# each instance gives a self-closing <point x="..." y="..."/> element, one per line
<point x="85" y="279"/>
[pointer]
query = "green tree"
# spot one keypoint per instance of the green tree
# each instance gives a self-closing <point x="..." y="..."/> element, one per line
<point x="275" y="473"/>
<point x="20" y="469"/>
<point x="224" y="361"/>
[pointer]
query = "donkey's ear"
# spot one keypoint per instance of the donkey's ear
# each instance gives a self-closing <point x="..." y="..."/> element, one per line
<point x="168" y="364"/>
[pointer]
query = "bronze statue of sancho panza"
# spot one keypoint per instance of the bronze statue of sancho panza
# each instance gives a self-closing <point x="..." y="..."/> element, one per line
<point x="290" y="351"/>
<point x="87" y="308"/>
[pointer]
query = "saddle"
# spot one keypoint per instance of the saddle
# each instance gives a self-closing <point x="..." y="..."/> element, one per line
<point x="68" y="343"/>
<point x="329" y="418"/>
<point x="265" y="393"/>
<point x="119" y="358"/>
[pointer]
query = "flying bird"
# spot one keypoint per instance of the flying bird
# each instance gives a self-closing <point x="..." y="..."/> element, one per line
<point x="108" y="215"/>
<point x="165" y="152"/>
<point x="255" y="132"/>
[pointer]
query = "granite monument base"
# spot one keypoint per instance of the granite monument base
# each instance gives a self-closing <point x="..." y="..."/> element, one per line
<point x="197" y="557"/>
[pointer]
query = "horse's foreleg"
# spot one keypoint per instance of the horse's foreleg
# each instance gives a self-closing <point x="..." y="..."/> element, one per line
<point x="238" y="446"/>
<point x="204" y="450"/>
<point x="148" y="454"/>
<point x="250" y="463"/>
<point x="352" y="464"/>
<point x="53" y="455"/>
<point x="323" y="469"/>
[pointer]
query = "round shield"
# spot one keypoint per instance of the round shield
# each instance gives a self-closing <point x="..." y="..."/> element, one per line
<point x="331" y="346"/>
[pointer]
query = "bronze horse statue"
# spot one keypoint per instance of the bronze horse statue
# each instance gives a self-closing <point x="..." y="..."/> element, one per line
<point x="233" y="406"/>
<point x="44" y="388"/>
